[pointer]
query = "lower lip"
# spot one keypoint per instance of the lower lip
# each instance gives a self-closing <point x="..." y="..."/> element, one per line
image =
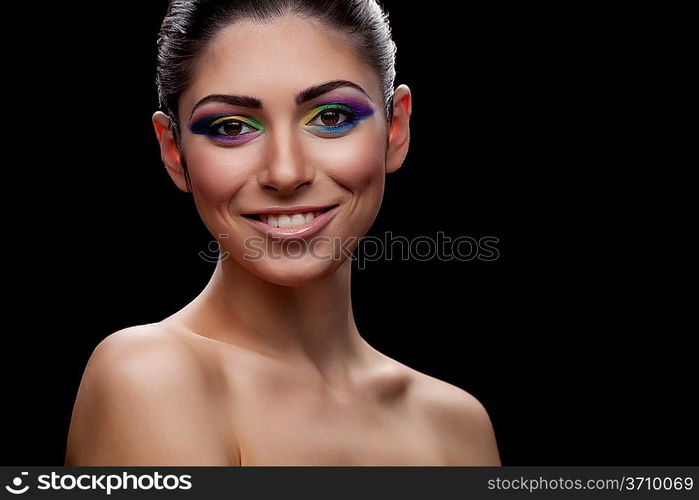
<point x="298" y="232"/>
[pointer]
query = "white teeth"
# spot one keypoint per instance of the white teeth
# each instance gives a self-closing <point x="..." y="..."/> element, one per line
<point x="284" y="221"/>
<point x="298" y="220"/>
<point x="290" y="220"/>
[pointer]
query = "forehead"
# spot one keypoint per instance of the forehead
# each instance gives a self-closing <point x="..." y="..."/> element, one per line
<point x="274" y="60"/>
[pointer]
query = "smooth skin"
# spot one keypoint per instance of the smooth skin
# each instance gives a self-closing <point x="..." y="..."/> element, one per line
<point x="266" y="366"/>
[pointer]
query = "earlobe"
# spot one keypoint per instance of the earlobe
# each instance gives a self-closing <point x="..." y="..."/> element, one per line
<point x="169" y="151"/>
<point x="399" y="131"/>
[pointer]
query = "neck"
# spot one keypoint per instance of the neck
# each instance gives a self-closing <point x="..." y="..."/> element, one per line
<point x="311" y="324"/>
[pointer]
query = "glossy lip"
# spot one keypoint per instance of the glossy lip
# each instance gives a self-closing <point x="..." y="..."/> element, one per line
<point x="298" y="232"/>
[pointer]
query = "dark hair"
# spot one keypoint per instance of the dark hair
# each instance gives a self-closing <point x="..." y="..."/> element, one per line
<point x="189" y="25"/>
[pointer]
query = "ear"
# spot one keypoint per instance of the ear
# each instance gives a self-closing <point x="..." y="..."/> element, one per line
<point x="399" y="131"/>
<point x="169" y="152"/>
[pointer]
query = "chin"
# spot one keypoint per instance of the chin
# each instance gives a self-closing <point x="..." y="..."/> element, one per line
<point x="294" y="272"/>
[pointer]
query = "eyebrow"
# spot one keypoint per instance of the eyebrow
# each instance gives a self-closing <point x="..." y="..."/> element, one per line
<point x="301" y="98"/>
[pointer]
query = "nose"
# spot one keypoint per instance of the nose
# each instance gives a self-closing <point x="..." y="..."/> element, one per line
<point x="285" y="170"/>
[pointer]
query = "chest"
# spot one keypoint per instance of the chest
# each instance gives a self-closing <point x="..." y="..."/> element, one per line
<point x="302" y="426"/>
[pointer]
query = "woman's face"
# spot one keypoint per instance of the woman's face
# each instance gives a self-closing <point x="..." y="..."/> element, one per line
<point x="264" y="171"/>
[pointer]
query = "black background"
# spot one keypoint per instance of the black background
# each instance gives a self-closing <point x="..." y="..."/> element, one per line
<point x="573" y="339"/>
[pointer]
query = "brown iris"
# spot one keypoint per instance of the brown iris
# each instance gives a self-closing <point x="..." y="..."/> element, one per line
<point x="232" y="128"/>
<point x="330" y="117"/>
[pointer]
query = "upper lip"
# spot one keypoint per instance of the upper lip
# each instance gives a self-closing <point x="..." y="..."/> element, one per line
<point x="287" y="210"/>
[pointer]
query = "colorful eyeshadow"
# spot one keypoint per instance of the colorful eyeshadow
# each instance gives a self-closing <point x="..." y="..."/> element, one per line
<point x="210" y="124"/>
<point x="354" y="111"/>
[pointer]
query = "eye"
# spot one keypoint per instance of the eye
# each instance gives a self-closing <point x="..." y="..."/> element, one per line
<point x="329" y="118"/>
<point x="228" y="130"/>
<point x="231" y="128"/>
<point x="333" y="119"/>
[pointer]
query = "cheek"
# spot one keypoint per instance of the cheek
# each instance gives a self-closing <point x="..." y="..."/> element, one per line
<point x="216" y="175"/>
<point x="357" y="161"/>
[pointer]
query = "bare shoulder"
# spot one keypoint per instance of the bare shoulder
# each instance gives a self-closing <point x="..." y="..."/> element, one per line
<point x="144" y="399"/>
<point x="460" y="421"/>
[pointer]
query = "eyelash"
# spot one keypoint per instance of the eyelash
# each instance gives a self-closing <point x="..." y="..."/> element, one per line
<point x="210" y="125"/>
<point x="351" y="118"/>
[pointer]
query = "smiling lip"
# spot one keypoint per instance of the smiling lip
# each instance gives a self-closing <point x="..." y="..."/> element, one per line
<point x="297" y="232"/>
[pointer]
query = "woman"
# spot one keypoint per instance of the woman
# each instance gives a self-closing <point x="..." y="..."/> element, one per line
<point x="281" y="119"/>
